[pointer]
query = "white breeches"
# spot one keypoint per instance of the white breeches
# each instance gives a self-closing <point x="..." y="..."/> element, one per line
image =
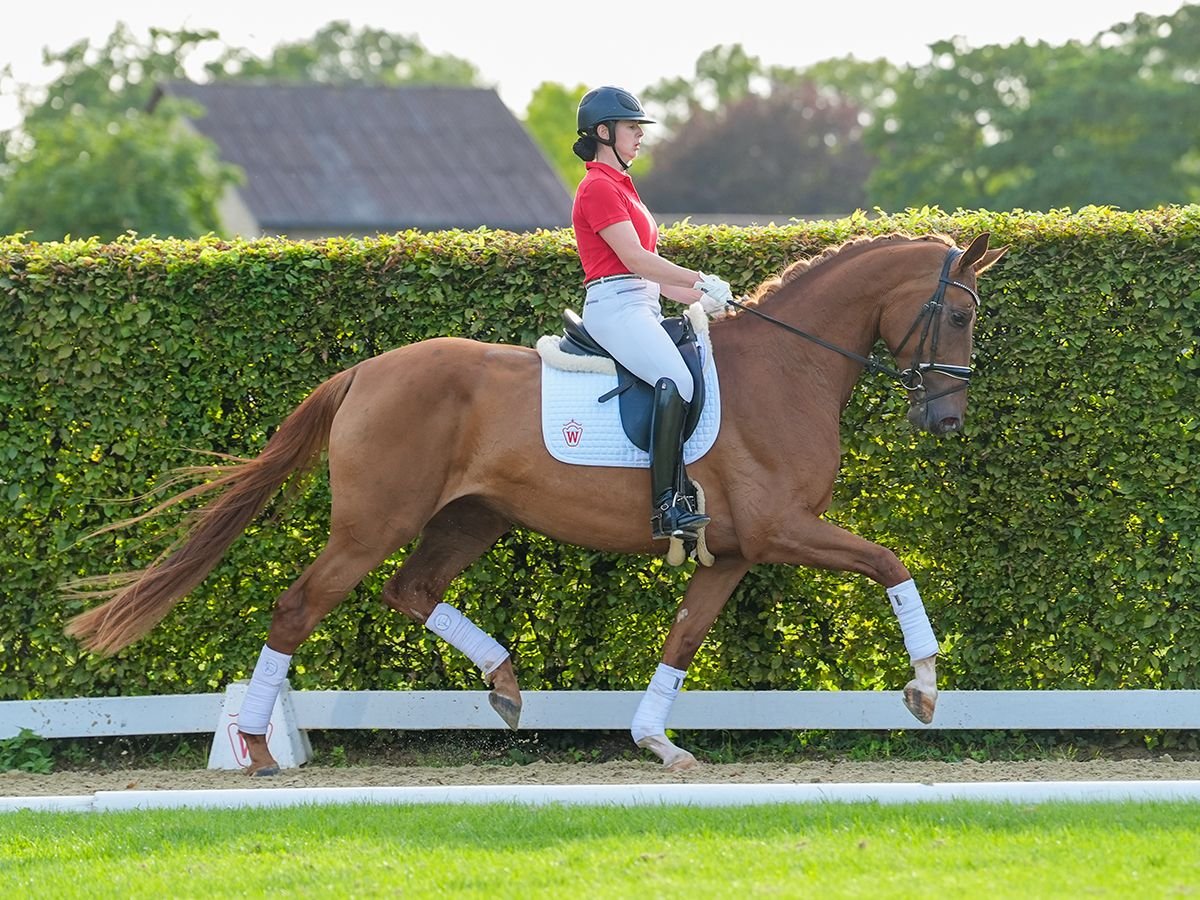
<point x="625" y="319"/>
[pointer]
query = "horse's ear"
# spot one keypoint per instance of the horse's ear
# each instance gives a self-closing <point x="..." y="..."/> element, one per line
<point x="989" y="259"/>
<point x="978" y="257"/>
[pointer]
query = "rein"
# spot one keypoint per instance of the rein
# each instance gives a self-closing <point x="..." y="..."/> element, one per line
<point x="912" y="378"/>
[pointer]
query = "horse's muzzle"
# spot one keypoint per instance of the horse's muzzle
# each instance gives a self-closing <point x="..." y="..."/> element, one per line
<point x="940" y="415"/>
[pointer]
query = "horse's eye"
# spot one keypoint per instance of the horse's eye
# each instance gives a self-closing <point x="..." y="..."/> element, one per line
<point x="959" y="318"/>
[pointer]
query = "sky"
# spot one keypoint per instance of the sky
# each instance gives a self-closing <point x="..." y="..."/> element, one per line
<point x="517" y="45"/>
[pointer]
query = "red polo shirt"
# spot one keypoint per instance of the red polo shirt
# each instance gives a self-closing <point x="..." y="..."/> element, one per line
<point x="603" y="198"/>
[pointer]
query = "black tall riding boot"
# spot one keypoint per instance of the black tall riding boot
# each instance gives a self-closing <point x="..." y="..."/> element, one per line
<point x="673" y="515"/>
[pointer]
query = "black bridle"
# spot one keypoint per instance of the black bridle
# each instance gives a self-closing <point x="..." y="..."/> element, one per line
<point x="928" y="322"/>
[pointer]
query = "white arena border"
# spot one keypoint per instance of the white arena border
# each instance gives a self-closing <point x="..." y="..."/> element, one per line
<point x="621" y="795"/>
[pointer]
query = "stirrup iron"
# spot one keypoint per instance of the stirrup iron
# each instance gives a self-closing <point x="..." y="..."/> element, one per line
<point x="675" y="518"/>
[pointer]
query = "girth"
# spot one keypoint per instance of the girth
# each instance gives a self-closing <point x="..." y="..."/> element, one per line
<point x="637" y="396"/>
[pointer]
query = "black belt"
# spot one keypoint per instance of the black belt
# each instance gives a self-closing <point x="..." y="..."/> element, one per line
<point x="588" y="284"/>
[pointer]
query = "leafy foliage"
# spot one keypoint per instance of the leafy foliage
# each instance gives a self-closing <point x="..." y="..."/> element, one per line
<point x="550" y="119"/>
<point x="112" y="78"/>
<point x="90" y="160"/>
<point x="91" y="175"/>
<point x="798" y="150"/>
<point x="25" y="752"/>
<point x="1055" y="543"/>
<point x="724" y="74"/>
<point x="740" y="136"/>
<point x="1115" y="121"/>
<point x="341" y="54"/>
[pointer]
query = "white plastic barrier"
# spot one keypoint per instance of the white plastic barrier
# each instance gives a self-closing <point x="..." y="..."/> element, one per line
<point x="622" y="795"/>
<point x="287" y="741"/>
<point x="299" y="711"/>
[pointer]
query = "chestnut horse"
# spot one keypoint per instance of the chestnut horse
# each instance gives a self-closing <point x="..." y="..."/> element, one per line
<point x="441" y="440"/>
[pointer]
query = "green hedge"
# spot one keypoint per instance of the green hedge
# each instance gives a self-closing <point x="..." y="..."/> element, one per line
<point x="1054" y="540"/>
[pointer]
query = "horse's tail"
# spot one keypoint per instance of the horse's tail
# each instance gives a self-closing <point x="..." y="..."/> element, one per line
<point x="137" y="601"/>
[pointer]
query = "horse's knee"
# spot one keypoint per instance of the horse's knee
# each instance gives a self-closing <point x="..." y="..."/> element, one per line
<point x="683" y="643"/>
<point x="686" y="650"/>
<point x="888" y="570"/>
<point x="289" y="620"/>
<point x="390" y="595"/>
<point x="290" y="605"/>
<point x="409" y="599"/>
<point x="301" y="607"/>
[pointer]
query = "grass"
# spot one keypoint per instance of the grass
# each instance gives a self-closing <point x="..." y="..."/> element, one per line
<point x="832" y="850"/>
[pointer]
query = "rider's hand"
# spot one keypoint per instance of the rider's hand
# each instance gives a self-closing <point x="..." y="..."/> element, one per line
<point x="715" y="294"/>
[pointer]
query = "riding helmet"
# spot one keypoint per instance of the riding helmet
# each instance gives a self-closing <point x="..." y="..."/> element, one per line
<point x="608" y="104"/>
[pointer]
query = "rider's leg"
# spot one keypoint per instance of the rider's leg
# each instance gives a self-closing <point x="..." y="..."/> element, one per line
<point x="625" y="318"/>
<point x="672" y="515"/>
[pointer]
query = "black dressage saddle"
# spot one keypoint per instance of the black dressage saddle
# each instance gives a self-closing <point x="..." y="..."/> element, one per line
<point x="637" y="396"/>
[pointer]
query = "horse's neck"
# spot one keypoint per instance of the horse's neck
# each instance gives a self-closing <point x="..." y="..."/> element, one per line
<point x="800" y="372"/>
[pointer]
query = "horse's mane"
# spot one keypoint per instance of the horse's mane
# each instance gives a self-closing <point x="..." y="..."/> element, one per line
<point x="855" y="245"/>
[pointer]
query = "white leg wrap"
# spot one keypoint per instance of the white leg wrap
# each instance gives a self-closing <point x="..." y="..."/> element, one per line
<point x="918" y="634"/>
<point x="652" y="712"/>
<point x="461" y="633"/>
<point x="269" y="673"/>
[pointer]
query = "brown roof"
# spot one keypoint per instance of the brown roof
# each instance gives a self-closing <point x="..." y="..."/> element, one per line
<point x="358" y="159"/>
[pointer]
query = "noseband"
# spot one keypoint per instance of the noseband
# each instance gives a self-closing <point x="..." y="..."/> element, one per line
<point x="928" y="321"/>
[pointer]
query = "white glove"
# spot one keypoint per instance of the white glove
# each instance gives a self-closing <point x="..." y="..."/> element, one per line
<point x="715" y="294"/>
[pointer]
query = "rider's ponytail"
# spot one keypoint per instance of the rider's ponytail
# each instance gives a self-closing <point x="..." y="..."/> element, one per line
<point x="585" y="148"/>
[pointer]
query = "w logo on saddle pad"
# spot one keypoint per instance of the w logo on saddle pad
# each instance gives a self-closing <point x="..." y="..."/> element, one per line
<point x="580" y="429"/>
<point x="572" y="433"/>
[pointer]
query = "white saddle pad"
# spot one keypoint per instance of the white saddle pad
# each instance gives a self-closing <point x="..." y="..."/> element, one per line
<point x="580" y="430"/>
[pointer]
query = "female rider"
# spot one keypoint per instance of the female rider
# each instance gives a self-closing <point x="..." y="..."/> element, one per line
<point x="623" y="275"/>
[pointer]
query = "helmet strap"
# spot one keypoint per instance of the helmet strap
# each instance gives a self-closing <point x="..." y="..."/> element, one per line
<point x="611" y="142"/>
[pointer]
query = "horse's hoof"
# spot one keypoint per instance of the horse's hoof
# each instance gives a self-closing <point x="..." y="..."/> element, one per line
<point x="682" y="762"/>
<point x="920" y="702"/>
<point x="675" y="759"/>
<point x="265" y="772"/>
<point x="509" y="711"/>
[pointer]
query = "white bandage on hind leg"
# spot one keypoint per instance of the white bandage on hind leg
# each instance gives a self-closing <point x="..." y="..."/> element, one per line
<point x="652" y="712"/>
<point x="461" y="633"/>
<point x="269" y="673"/>
<point x="914" y="624"/>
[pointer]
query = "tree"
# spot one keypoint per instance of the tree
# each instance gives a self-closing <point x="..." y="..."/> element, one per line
<point x="870" y="85"/>
<point x="110" y="79"/>
<point x="724" y="75"/>
<point x="796" y="151"/>
<point x="89" y="175"/>
<point x="341" y="54"/>
<point x="1115" y="121"/>
<point x="744" y="137"/>
<point x="550" y="119"/>
<point x="88" y="160"/>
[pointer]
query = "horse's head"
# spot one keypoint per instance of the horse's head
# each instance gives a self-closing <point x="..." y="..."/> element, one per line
<point x="930" y="330"/>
